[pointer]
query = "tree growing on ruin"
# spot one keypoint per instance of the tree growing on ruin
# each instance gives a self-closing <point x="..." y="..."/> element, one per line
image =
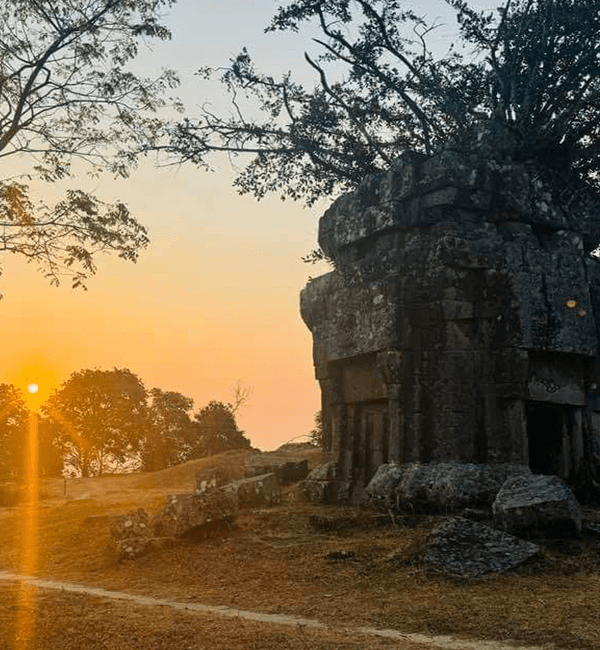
<point x="97" y="418"/>
<point x="69" y="95"/>
<point x="533" y="66"/>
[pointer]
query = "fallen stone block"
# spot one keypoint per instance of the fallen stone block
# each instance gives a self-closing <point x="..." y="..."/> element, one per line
<point x="438" y="487"/>
<point x="465" y="548"/>
<point x="183" y="513"/>
<point x="537" y="505"/>
<point x="255" y="492"/>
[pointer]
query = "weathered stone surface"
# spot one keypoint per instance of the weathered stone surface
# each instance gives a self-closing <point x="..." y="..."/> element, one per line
<point x="321" y="484"/>
<point x="255" y="492"/>
<point x="209" y="479"/>
<point x="441" y="487"/>
<point x="461" y="324"/>
<point x="465" y="548"/>
<point x="133" y="524"/>
<point x="183" y="513"/>
<point x="537" y="505"/>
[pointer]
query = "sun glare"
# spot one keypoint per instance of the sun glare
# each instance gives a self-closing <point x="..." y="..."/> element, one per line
<point x="25" y="621"/>
<point x="33" y="388"/>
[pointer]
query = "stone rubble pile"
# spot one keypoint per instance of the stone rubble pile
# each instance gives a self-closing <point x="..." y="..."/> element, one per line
<point x="499" y="504"/>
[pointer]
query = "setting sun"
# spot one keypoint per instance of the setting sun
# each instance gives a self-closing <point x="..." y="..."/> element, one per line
<point x="33" y="388"/>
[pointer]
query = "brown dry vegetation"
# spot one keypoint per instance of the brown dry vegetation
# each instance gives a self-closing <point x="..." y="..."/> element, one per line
<point x="272" y="561"/>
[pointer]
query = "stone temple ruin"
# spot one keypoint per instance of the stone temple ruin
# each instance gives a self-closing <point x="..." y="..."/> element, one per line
<point x="461" y="322"/>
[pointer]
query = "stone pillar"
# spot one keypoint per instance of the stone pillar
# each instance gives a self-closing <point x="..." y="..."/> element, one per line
<point x="395" y="431"/>
<point x="377" y="433"/>
<point x="414" y="425"/>
<point x="517" y="421"/>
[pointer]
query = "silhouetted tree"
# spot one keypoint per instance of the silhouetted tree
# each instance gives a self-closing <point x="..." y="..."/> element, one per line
<point x="169" y="430"/>
<point x="68" y="93"/>
<point x="14" y="421"/>
<point x="216" y="431"/>
<point x="98" y="418"/>
<point x="381" y="91"/>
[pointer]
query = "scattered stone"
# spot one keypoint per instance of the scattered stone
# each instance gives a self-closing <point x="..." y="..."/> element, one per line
<point x="537" y="505"/>
<point x="255" y="492"/>
<point x="438" y="487"/>
<point x="464" y="548"/>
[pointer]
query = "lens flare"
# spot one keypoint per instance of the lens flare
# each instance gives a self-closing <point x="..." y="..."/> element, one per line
<point x="25" y="620"/>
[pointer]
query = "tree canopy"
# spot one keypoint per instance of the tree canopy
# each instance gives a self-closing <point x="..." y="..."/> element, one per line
<point x="68" y="93"/>
<point x="98" y="418"/>
<point x="532" y="65"/>
<point x="13" y="430"/>
<point x="169" y="431"/>
<point x="217" y="430"/>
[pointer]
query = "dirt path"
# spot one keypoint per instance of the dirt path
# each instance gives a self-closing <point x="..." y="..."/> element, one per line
<point x="405" y="641"/>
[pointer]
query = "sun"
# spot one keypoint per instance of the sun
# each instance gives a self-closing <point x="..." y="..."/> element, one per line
<point x="33" y="388"/>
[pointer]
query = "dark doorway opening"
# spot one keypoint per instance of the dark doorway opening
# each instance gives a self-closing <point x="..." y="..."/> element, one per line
<point x="546" y="426"/>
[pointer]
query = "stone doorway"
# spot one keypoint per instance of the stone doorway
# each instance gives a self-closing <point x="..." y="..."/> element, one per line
<point x="547" y="433"/>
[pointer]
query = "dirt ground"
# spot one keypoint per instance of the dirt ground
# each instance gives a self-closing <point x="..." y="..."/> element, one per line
<point x="345" y="569"/>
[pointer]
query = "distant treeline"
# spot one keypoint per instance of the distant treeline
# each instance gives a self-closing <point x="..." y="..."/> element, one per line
<point x="101" y="421"/>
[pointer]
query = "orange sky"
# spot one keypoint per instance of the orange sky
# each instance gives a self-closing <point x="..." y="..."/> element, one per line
<point x="214" y="300"/>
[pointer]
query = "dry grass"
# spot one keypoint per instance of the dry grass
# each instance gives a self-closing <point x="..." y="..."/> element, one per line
<point x="273" y="562"/>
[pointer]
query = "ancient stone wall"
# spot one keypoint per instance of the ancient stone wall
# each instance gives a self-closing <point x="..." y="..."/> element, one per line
<point x="460" y="324"/>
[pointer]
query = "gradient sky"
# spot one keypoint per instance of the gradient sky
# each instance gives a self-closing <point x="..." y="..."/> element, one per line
<point x="214" y="299"/>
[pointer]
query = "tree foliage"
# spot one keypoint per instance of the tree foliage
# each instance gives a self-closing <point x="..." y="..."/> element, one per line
<point x="68" y="93"/>
<point x="98" y="418"/>
<point x="169" y="431"/>
<point x="14" y="420"/>
<point x="533" y="65"/>
<point x="217" y="430"/>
